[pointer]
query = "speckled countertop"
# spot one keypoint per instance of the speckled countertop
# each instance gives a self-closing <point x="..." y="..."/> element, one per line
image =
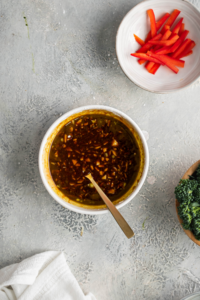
<point x="63" y="59"/>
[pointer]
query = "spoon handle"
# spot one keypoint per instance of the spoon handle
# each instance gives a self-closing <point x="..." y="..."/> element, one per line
<point x="116" y="214"/>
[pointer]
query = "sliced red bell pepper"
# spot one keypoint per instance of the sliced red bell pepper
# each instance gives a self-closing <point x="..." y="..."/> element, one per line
<point x="148" y="37"/>
<point x="165" y="37"/>
<point x="141" y="61"/>
<point x="181" y="48"/>
<point x="166" y="27"/>
<point x="139" y="40"/>
<point x="164" y="59"/>
<point x="181" y="29"/>
<point x="162" y="21"/>
<point x="151" y="15"/>
<point x="172" y="18"/>
<point x="147" y="57"/>
<point x="147" y="46"/>
<point x="155" y="68"/>
<point x="172" y="35"/>
<point x="167" y="48"/>
<point x="177" y="27"/>
<point x="169" y="42"/>
<point x="158" y="25"/>
<point x="175" y="61"/>
<point x="149" y="65"/>
<point x="191" y="45"/>
<point x="188" y="54"/>
<point x="163" y="50"/>
<point x="180" y="40"/>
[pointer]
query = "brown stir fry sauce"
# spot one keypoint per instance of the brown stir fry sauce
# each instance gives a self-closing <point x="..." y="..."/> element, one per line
<point x="96" y="144"/>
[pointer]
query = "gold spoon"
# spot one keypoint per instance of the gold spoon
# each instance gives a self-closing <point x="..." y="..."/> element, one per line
<point x="116" y="214"/>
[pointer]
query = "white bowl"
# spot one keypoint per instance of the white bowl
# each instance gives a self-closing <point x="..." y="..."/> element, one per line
<point x="136" y="22"/>
<point x="44" y="152"/>
<point x="195" y="296"/>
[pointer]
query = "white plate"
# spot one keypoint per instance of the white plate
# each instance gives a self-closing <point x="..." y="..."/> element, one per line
<point x="136" y="22"/>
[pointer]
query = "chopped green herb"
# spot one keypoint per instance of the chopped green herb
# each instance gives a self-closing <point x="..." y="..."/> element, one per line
<point x="143" y="224"/>
<point x="26" y="24"/>
<point x="188" y="195"/>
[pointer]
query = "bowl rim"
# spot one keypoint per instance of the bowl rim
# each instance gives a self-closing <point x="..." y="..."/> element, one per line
<point x="189" y="233"/>
<point x="188" y="296"/>
<point x="116" y="50"/>
<point x="78" y="110"/>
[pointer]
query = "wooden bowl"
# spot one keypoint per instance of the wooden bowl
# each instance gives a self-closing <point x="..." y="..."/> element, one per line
<point x="190" y="171"/>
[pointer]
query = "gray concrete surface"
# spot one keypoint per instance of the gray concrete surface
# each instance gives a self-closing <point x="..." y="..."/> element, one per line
<point x="63" y="59"/>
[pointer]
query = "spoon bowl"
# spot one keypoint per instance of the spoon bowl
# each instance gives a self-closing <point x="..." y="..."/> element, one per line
<point x="116" y="214"/>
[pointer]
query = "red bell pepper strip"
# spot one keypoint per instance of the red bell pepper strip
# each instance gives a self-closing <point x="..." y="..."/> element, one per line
<point x="141" y="61"/>
<point x="151" y="15"/>
<point x="146" y="57"/>
<point x="175" y="61"/>
<point x="166" y="27"/>
<point x="163" y="50"/>
<point x="162" y="21"/>
<point x="172" y="35"/>
<point x="149" y="65"/>
<point x="165" y="37"/>
<point x="188" y="54"/>
<point x="139" y="40"/>
<point x="179" y="41"/>
<point x="177" y="27"/>
<point x="191" y="45"/>
<point x="148" y="37"/>
<point x="181" y="48"/>
<point x="169" y="42"/>
<point x="181" y="29"/>
<point x="141" y="43"/>
<point x="172" y="18"/>
<point x="164" y="59"/>
<point x="154" y="69"/>
<point x="147" y="46"/>
<point x="158" y="25"/>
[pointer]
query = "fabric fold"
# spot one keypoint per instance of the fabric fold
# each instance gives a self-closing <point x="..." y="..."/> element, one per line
<point x="44" y="276"/>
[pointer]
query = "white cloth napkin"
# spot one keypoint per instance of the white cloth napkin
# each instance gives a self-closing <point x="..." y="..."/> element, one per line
<point x="44" y="276"/>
